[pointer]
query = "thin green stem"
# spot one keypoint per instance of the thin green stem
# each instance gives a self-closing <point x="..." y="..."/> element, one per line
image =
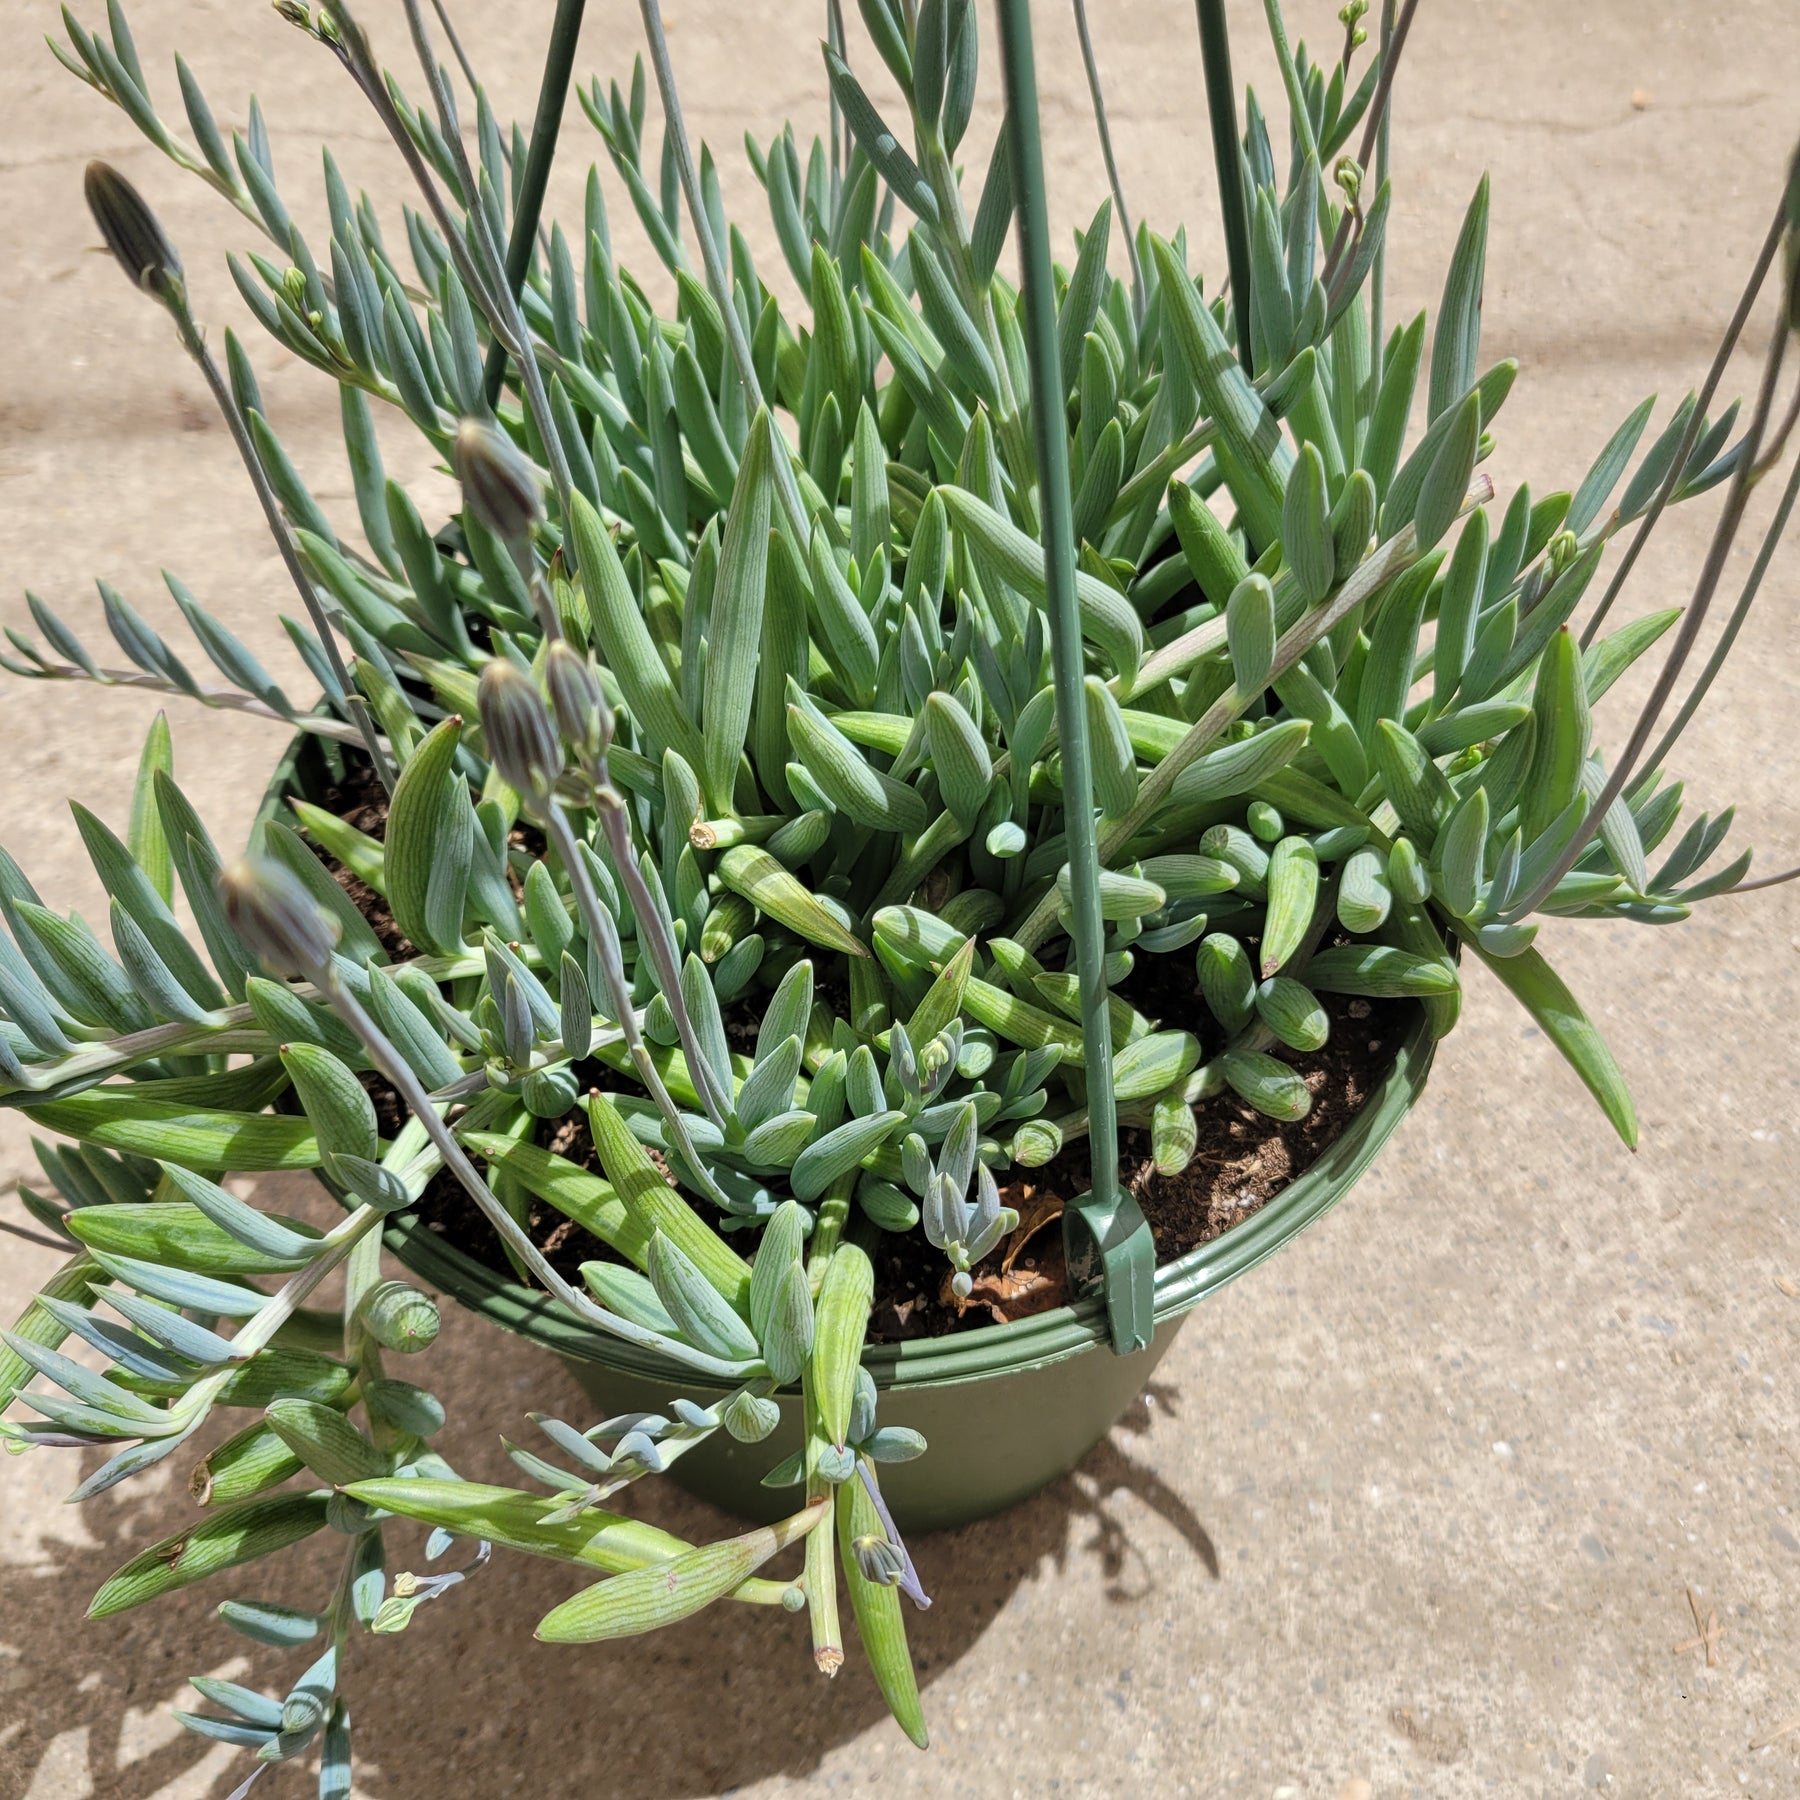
<point x="1374" y="143"/>
<point x="1728" y="637"/>
<point x="1383" y="155"/>
<point x="1037" y="294"/>
<point x="553" y="96"/>
<point x="497" y="285"/>
<point x="712" y="254"/>
<point x="1765" y="259"/>
<point x="1766" y="881"/>
<point x="456" y="48"/>
<point x="952" y="234"/>
<point x="1731" y="517"/>
<point x="41" y="1239"/>
<point x="1106" y="151"/>
<point x="354" y="703"/>
<point x="1221" y="112"/>
<point x="223" y="699"/>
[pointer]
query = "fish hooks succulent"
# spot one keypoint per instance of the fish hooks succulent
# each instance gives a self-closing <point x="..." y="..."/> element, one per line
<point x="789" y="761"/>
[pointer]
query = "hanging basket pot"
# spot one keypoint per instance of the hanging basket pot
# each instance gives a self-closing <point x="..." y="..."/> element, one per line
<point x="1006" y="1409"/>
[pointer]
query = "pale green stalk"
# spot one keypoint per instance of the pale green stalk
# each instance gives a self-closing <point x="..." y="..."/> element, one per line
<point x="355" y="704"/>
<point x="1106" y="153"/>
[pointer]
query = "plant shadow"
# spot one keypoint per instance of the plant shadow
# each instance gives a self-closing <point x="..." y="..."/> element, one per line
<point x="466" y="1702"/>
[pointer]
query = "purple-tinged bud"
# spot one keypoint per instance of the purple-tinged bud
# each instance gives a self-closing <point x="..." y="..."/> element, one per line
<point x="138" y="243"/>
<point x="582" y="714"/>
<point x="881" y="1563"/>
<point x="278" y="920"/>
<point x="521" y="736"/>
<point x="750" y="1417"/>
<point x="500" y="484"/>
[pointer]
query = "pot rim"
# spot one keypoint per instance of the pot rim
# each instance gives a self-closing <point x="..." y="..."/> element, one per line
<point x="986" y="1350"/>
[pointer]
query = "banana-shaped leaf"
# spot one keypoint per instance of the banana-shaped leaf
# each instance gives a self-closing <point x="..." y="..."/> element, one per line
<point x="1292" y="1012"/>
<point x="1154" y="1063"/>
<point x="1269" y="1085"/>
<point x="1458" y="339"/>
<point x="429" y="845"/>
<point x="735" y="629"/>
<point x="1238" y="767"/>
<point x="839" y="1151"/>
<point x="1541" y="991"/>
<point x="1250" y="633"/>
<point x="210" y="1545"/>
<point x="876" y="1606"/>
<point x="1364" y="896"/>
<point x="1564" y="728"/>
<point x="750" y="870"/>
<point x="181" y="1235"/>
<point x="1107" y="618"/>
<point x="662" y="1593"/>
<point x="1213" y="557"/>
<point x="518" y="1521"/>
<point x="1246" y="426"/>
<point x="657" y="1208"/>
<point x="169" y="1131"/>
<point x="1293" y="887"/>
<point x="959" y="754"/>
<point x="876" y="141"/>
<point x="625" y="642"/>
<point x="1306" y="527"/>
<point x="700" y="1313"/>
<point x="248" y="1463"/>
<point x="842" y="1318"/>
<point x="1380" y="971"/>
<point x="337" y="1104"/>
<point x="326" y="1442"/>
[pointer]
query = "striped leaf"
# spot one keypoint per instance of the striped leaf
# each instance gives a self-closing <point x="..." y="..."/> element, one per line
<point x="734" y="633"/>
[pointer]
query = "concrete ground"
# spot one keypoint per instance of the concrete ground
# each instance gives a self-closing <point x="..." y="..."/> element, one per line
<point x="1416" y="1509"/>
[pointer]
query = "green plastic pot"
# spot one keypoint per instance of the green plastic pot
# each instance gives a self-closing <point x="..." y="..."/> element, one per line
<point x="1006" y="1409"/>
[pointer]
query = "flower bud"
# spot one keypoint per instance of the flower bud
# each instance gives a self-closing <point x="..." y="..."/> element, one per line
<point x="881" y="1563"/>
<point x="369" y="1181"/>
<point x="836" y="1464"/>
<point x="582" y="714"/>
<point x="499" y="483"/>
<point x="521" y="737"/>
<point x="278" y="920"/>
<point x="750" y="1417"/>
<point x="399" y="1317"/>
<point x="138" y="243"/>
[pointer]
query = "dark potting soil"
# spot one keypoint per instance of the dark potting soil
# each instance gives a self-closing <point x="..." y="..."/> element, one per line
<point x="1241" y="1161"/>
<point x="359" y="800"/>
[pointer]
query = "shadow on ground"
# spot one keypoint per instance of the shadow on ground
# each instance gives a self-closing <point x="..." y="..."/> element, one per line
<point x="467" y="1695"/>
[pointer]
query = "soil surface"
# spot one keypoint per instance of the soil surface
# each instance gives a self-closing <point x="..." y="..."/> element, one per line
<point x="358" y="799"/>
<point x="1241" y="1161"/>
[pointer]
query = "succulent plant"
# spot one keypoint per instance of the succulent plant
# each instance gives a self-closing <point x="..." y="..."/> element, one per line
<point x="750" y="620"/>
